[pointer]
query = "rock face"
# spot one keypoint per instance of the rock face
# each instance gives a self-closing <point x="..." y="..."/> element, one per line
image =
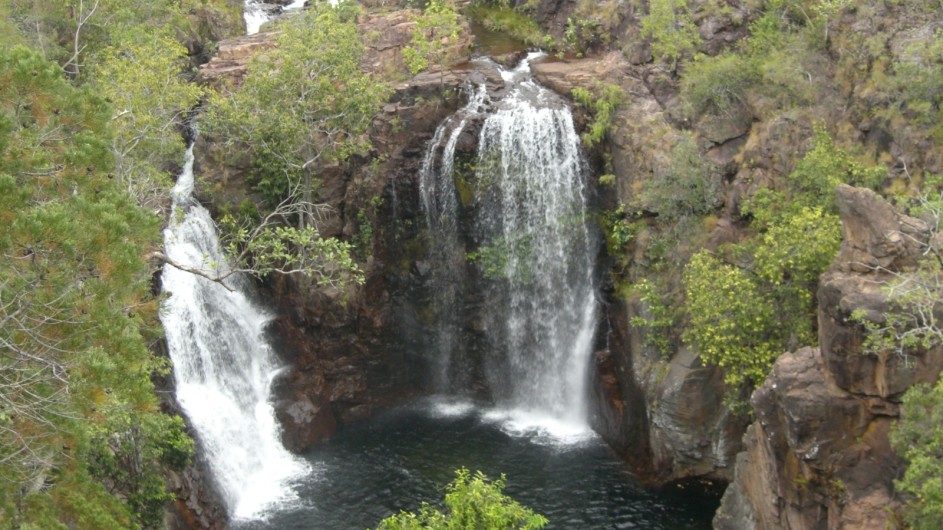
<point x="352" y="351"/>
<point x="663" y="412"/>
<point x="228" y="67"/>
<point x="754" y="144"/>
<point x="385" y="35"/>
<point x="664" y="415"/>
<point x="818" y="454"/>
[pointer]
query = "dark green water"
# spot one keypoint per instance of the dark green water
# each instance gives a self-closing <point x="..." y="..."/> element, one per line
<point x="400" y="458"/>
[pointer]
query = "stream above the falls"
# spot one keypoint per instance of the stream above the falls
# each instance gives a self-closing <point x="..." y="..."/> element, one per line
<point x="404" y="456"/>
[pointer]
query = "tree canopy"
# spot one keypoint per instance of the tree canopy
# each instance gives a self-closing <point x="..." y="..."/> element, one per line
<point x="77" y="405"/>
<point x="472" y="501"/>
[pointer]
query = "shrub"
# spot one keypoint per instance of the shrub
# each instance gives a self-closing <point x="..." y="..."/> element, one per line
<point x="657" y="319"/>
<point x="472" y="501"/>
<point x="602" y="102"/>
<point x="714" y="85"/>
<point x="918" y="437"/>
<point x="670" y="27"/>
<point x="734" y="324"/>
<point x="687" y="186"/>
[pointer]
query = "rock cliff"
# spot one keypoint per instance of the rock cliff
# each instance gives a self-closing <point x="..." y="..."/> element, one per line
<point x="355" y="350"/>
<point x="663" y="414"/>
<point x="818" y="455"/>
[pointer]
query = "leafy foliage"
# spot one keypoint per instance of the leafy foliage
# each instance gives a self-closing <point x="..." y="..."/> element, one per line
<point x="742" y="317"/>
<point x="688" y="186"/>
<point x="303" y="104"/>
<point x="602" y="103"/>
<point x="716" y="84"/>
<point x="618" y="229"/>
<point x="918" y="437"/>
<point x="435" y="33"/>
<point x="772" y="66"/>
<point x="670" y="26"/>
<point x="270" y="246"/>
<point x="789" y="259"/>
<point x="473" y="501"/>
<point x="823" y="168"/>
<point x="657" y="320"/>
<point x="911" y="322"/>
<point x="918" y="83"/>
<point x="733" y="322"/>
<point x="142" y="80"/>
<point x="76" y="310"/>
<point x="501" y="17"/>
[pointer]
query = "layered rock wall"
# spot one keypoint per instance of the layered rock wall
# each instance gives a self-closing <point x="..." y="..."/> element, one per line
<point x="818" y="454"/>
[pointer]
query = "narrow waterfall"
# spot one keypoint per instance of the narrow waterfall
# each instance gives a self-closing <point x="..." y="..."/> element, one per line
<point x="256" y="12"/>
<point x="223" y="366"/>
<point x="440" y="204"/>
<point x="535" y="249"/>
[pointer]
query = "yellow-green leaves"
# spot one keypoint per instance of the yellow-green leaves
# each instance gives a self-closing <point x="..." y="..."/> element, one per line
<point x="435" y="32"/>
<point x="143" y="79"/>
<point x="74" y="301"/>
<point x="304" y="104"/>
<point x="918" y="437"/>
<point x="473" y="501"/>
<point x="602" y="102"/>
<point x="672" y="29"/>
<point x="733" y="322"/>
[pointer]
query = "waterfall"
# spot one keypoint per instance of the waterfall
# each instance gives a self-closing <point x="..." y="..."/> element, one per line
<point x="440" y="203"/>
<point x="535" y="249"/>
<point x="256" y="12"/>
<point x="223" y="366"/>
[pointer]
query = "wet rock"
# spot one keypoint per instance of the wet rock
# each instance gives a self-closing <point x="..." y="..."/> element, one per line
<point x="665" y="416"/>
<point x="210" y="24"/>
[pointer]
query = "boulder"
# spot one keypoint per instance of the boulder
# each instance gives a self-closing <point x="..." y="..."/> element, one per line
<point x="816" y="456"/>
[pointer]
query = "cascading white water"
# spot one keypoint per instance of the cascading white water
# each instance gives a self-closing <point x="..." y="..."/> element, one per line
<point x="440" y="203"/>
<point x="533" y="193"/>
<point x="257" y="12"/>
<point x="535" y="245"/>
<point x="223" y="366"/>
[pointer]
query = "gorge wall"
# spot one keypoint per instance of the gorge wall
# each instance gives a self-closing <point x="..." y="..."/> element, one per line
<point x="817" y="453"/>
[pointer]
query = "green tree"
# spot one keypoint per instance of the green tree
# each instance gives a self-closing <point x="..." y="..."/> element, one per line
<point x="473" y="501"/>
<point x="76" y="313"/>
<point x="733" y="321"/>
<point x="672" y="30"/>
<point x="717" y="85"/>
<point x="686" y="186"/>
<point x="143" y="80"/>
<point x="602" y="102"/>
<point x="918" y="438"/>
<point x="823" y="168"/>
<point x="304" y="104"/>
<point x="434" y="37"/>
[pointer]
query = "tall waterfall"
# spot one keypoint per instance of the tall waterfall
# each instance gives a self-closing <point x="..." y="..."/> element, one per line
<point x="535" y="246"/>
<point x="440" y="203"/>
<point x="223" y="366"/>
